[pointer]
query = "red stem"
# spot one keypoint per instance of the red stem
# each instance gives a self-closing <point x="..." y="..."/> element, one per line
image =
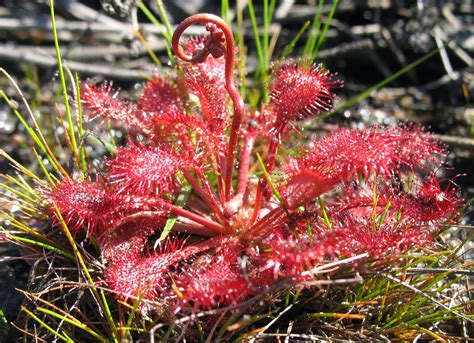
<point x="229" y="79"/>
<point x="218" y="228"/>
<point x="196" y="230"/>
<point x="207" y="188"/>
<point x="272" y="148"/>
<point x="206" y="245"/>
<point x="221" y="185"/>
<point x="258" y="201"/>
<point x="204" y="194"/>
<point x="270" y="162"/>
<point x="270" y="217"/>
<point x="245" y="164"/>
<point x="193" y="229"/>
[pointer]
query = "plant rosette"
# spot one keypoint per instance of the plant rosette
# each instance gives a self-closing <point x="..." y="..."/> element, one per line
<point x="250" y="217"/>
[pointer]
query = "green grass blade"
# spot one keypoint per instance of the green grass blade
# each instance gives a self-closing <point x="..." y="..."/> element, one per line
<point x="439" y="315"/>
<point x="164" y="17"/>
<point x="424" y="294"/>
<point x="269" y="180"/>
<point x="383" y="215"/>
<point x="180" y="201"/>
<point x="4" y="326"/>
<point x="323" y="36"/>
<point x="20" y="181"/>
<point x="148" y="49"/>
<point x="80" y="127"/>
<point x="313" y="33"/>
<point x="20" y="194"/>
<point x="291" y="46"/>
<point x="240" y="31"/>
<point x="73" y="321"/>
<point x="64" y="91"/>
<point x="325" y="214"/>
<point x="108" y="314"/>
<point x="36" y="134"/>
<point x="225" y="11"/>
<point x="267" y="20"/>
<point x="242" y="51"/>
<point x="42" y="245"/>
<point x="46" y="326"/>
<point x="43" y="168"/>
<point x="133" y="312"/>
<point x="38" y="141"/>
<point x="163" y="31"/>
<point x="80" y="259"/>
<point x="266" y="29"/>
<point x="365" y="94"/>
<point x="456" y="251"/>
<point x="20" y="168"/>
<point x="256" y="36"/>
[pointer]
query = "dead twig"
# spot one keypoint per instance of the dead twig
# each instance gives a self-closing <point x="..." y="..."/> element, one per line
<point x="347" y="48"/>
<point x="455" y="141"/>
<point x="84" y="53"/>
<point x="107" y="71"/>
<point x="435" y="271"/>
<point x="68" y="28"/>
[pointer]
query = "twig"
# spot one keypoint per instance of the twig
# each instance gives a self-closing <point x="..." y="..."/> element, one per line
<point x="114" y="72"/>
<point x="457" y="25"/>
<point x="326" y="267"/>
<point x="87" y="52"/>
<point x="85" y="13"/>
<point x="442" y="52"/>
<point x="435" y="271"/>
<point x="288" y="331"/>
<point x="284" y="9"/>
<point x="400" y="56"/>
<point x="456" y="76"/>
<point x="355" y="32"/>
<point x="265" y="328"/>
<point x="304" y="12"/>
<point x="356" y="279"/>
<point x="347" y="48"/>
<point x="69" y="28"/>
<point x="460" y="142"/>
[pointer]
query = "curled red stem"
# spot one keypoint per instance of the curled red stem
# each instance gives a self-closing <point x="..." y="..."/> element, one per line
<point x="234" y="94"/>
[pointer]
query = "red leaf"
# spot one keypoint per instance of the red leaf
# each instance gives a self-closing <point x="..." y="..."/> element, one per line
<point x="298" y="92"/>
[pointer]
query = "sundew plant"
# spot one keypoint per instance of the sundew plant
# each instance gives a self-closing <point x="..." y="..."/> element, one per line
<point x="213" y="218"/>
